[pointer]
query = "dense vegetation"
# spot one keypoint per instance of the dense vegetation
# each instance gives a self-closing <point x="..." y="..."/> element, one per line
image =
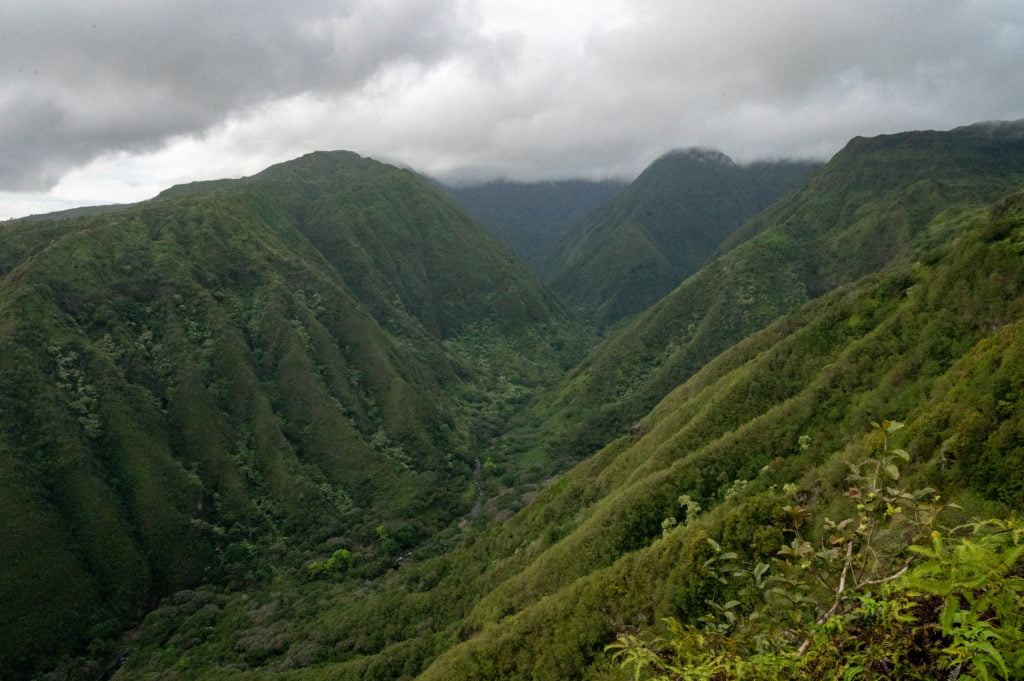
<point x="633" y="250"/>
<point x="724" y="439"/>
<point x="889" y="199"/>
<point x="281" y="366"/>
<point x="853" y="603"/>
<point x="939" y="342"/>
<point x="608" y="549"/>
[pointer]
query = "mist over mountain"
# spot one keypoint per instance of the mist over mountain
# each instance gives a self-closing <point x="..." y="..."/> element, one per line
<point x="319" y="423"/>
<point x="531" y="217"/>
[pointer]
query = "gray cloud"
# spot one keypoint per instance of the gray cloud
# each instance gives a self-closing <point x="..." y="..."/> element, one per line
<point x="544" y="90"/>
<point x="82" y="79"/>
<point x="756" y="79"/>
<point x="822" y="70"/>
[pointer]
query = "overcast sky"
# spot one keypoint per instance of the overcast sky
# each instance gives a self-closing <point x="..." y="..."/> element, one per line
<point x="114" y="100"/>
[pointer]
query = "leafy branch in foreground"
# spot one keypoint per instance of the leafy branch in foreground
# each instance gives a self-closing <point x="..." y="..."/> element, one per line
<point x="878" y="594"/>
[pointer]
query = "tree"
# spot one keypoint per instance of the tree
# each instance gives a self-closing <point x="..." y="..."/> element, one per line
<point x="881" y="593"/>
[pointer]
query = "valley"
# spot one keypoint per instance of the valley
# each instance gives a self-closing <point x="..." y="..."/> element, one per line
<point x="321" y="423"/>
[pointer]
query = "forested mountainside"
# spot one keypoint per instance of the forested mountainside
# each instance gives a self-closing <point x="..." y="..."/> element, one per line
<point x="530" y="217"/>
<point x="306" y="358"/>
<point x="661" y="229"/>
<point x="888" y="199"/>
<point x="213" y="400"/>
<point x="757" y="441"/>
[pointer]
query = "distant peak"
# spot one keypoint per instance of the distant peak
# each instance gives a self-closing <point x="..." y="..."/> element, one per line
<point x="699" y="155"/>
<point x="1012" y="129"/>
<point x="320" y="161"/>
<point x="315" y="164"/>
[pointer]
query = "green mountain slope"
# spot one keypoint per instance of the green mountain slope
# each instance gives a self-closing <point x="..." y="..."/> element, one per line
<point x="629" y="253"/>
<point x="938" y="342"/>
<point x="878" y="201"/>
<point x="941" y="344"/>
<point x="890" y="286"/>
<point x="308" y="355"/>
<point x="531" y="216"/>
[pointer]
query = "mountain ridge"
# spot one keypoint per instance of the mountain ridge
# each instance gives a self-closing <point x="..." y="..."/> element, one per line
<point x="541" y="594"/>
<point x="684" y="203"/>
<point x="187" y="371"/>
<point x="845" y="223"/>
<point x="190" y="377"/>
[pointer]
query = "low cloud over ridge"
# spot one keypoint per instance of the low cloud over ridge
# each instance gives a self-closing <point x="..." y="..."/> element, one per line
<point x="101" y="93"/>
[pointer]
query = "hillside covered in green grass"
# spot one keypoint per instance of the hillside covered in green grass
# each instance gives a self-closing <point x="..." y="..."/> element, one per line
<point x="291" y="427"/>
<point x="768" y="425"/>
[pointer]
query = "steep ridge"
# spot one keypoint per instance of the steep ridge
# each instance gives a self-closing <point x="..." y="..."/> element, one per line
<point x="878" y="201"/>
<point x="237" y="372"/>
<point x="151" y="355"/>
<point x="662" y="228"/>
<point x="936" y="342"/>
<point x="933" y="340"/>
<point x="941" y="344"/>
<point x="437" y="263"/>
<point x="531" y="216"/>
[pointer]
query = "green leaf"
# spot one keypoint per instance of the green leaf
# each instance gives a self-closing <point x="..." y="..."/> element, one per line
<point x="923" y="550"/>
<point x="852" y="673"/>
<point x="892" y="426"/>
<point x="892" y="471"/>
<point x="948" y="614"/>
<point x="994" y="654"/>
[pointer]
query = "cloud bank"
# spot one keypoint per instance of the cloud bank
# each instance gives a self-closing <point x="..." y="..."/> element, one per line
<point x="108" y="100"/>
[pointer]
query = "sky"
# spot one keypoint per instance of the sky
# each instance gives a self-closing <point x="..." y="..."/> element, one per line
<point x="105" y="101"/>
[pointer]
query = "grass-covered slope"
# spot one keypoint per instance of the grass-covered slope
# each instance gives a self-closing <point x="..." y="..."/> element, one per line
<point x="532" y="216"/>
<point x="241" y="370"/>
<point x="662" y="228"/>
<point x="878" y="201"/>
<point x="938" y="343"/>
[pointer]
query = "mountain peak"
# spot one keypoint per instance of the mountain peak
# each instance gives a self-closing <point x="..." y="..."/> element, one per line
<point x="318" y="166"/>
<point x="662" y="228"/>
<point x="1010" y="128"/>
<point x="698" y="155"/>
<point x="319" y="161"/>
